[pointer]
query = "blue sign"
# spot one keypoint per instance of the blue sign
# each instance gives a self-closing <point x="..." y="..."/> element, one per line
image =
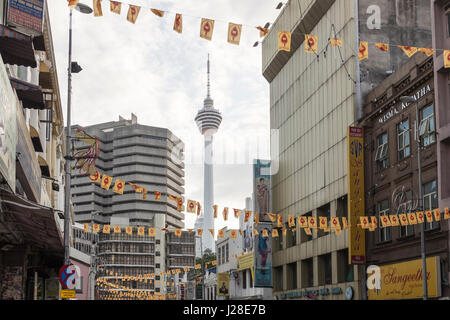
<point x="28" y="14"/>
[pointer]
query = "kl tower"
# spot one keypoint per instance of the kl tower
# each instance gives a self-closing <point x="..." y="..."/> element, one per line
<point x="208" y="121"/>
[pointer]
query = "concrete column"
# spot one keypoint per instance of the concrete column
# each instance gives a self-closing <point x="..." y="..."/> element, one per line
<point x="334" y="267"/>
<point x="284" y="277"/>
<point x="316" y="271"/>
<point x="333" y="208"/>
<point x="299" y="274"/>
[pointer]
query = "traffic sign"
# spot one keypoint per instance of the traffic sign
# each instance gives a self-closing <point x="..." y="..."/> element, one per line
<point x="67" y="294"/>
<point x="68" y="275"/>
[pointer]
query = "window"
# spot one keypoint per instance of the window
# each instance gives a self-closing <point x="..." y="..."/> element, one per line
<point x="291" y="276"/>
<point x="403" y="140"/>
<point x="278" y="279"/>
<point x="342" y="207"/>
<point x="244" y="279"/>
<point x="291" y="237"/>
<point x="381" y="156"/>
<point x="323" y="212"/>
<point x="251" y="280"/>
<point x="325" y="269"/>
<point x="345" y="270"/>
<point x="219" y="251"/>
<point x="406" y="207"/>
<point x="226" y="253"/>
<point x="448" y="22"/>
<point x="427" y="128"/>
<point x="430" y="202"/>
<point x="48" y="125"/>
<point x="383" y="210"/>
<point x="303" y="236"/>
<point x="307" y="273"/>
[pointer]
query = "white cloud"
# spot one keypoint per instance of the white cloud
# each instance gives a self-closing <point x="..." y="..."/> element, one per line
<point x="160" y="75"/>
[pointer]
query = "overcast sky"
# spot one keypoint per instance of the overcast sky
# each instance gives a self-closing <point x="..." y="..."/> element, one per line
<point x="150" y="70"/>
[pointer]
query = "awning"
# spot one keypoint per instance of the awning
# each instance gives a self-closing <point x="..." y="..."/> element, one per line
<point x="44" y="167"/>
<point x="36" y="139"/>
<point x="16" y="48"/>
<point x="39" y="43"/>
<point x="31" y="223"/>
<point x="30" y="94"/>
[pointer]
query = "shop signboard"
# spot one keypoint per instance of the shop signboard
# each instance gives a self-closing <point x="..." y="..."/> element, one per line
<point x="263" y="255"/>
<point x="8" y="128"/>
<point x="28" y="15"/>
<point x="261" y="189"/>
<point x="223" y="284"/>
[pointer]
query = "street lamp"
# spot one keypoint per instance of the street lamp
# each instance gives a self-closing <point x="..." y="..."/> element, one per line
<point x="422" y="234"/>
<point x="86" y="10"/>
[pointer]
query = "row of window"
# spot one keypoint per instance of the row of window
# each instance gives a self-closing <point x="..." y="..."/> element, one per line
<point x="182" y="249"/>
<point x="182" y="261"/>
<point x="223" y="254"/>
<point x="408" y="205"/>
<point x="131" y="260"/>
<point x="427" y="132"/>
<point x="127" y="247"/>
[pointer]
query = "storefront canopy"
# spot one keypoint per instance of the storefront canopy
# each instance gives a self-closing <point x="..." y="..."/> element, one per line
<point x="16" y="48"/>
<point x="30" y="94"/>
<point x="32" y="223"/>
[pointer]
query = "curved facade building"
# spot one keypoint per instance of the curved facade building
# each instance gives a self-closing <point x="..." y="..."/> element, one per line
<point x="146" y="156"/>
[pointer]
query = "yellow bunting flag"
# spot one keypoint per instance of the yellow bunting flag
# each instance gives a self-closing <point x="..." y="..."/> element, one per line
<point x="385" y="222"/>
<point x="339" y="231"/>
<point x="225" y="214"/>
<point x="446" y="56"/>
<point x="141" y="231"/>
<point x="106" y="228"/>
<point x="178" y="232"/>
<point x="199" y="208"/>
<point x="255" y="232"/>
<point x="323" y="223"/>
<point x="151" y="232"/>
<point x="214" y="263"/>
<point x="275" y="233"/>
<point x="233" y="234"/>
<point x="272" y="217"/>
<point x="429" y="216"/>
<point x="308" y="231"/>
<point x="446" y="214"/>
<point x="199" y="232"/>
<point x="363" y="52"/>
<point x="106" y="182"/>
<point x="191" y="206"/>
<point x="382" y="46"/>
<point x="215" y="211"/>
<point x="373" y="224"/>
<point x="164" y="229"/>
<point x="428" y="51"/>
<point x="72" y="3"/>
<point x="302" y="222"/>
<point x="279" y="220"/>
<point x="159" y="13"/>
<point x="262" y="31"/>
<point x="240" y="232"/>
<point x="247" y="215"/>
<point x="97" y="8"/>
<point x="256" y="218"/>
<point x="115" y="7"/>
<point x="96" y="228"/>
<point x="178" y="23"/>
<point x="236" y="213"/>
<point x="311" y="43"/>
<point x="420" y="217"/>
<point x="364" y="221"/>
<point x="291" y="221"/>
<point x="221" y="233"/>
<point x="117" y="229"/>
<point x="336" y="42"/>
<point x="129" y="230"/>
<point x="180" y="204"/>
<point x="86" y="227"/>
<point x="335" y="225"/>
<point x="206" y="29"/>
<point x="96" y="177"/>
<point x="198" y="266"/>
<point x="437" y="214"/>
<point x="312" y="223"/>
<point x="344" y="223"/>
<point x="284" y="40"/>
<point x="408" y="50"/>
<point x="265" y="233"/>
<point x="412" y="218"/>
<point x="234" y="33"/>
<point x="157" y="195"/>
<point x="394" y="220"/>
<point x="119" y="186"/>
<point x="212" y="232"/>
<point x="190" y="230"/>
<point x="133" y="12"/>
<point x="403" y="219"/>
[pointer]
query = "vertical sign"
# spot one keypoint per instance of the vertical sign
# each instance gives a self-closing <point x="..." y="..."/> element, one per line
<point x="261" y="189"/>
<point x="355" y="147"/>
<point x="263" y="256"/>
<point x="27" y="14"/>
<point x="223" y="284"/>
<point x="8" y="128"/>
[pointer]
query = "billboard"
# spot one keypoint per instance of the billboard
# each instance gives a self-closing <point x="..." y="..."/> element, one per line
<point x="263" y="256"/>
<point x="8" y="128"/>
<point x="26" y="14"/>
<point x="223" y="284"/>
<point x="355" y="149"/>
<point x="261" y="189"/>
<point x="404" y="280"/>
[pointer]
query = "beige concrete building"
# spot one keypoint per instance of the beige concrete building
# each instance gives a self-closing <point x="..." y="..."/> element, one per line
<point x="312" y="103"/>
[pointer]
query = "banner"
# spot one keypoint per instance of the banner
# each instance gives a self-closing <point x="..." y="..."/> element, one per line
<point x="263" y="256"/>
<point x="261" y="189"/>
<point x="26" y="14"/>
<point x="223" y="284"/>
<point x="355" y="148"/>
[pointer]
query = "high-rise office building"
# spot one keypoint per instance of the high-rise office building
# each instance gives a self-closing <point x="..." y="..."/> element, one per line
<point x="149" y="157"/>
<point x="208" y="120"/>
